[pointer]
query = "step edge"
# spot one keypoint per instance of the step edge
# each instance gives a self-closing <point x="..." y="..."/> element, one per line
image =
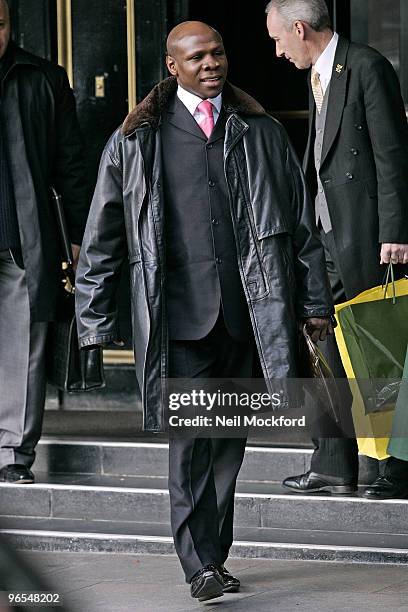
<point x="143" y="490"/>
<point x="90" y="535"/>
<point x="169" y="540"/>
<point x="164" y="445"/>
<point x="103" y="522"/>
<point x="295" y="546"/>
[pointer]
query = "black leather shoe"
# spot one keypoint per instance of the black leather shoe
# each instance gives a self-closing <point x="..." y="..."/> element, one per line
<point x="386" y="488"/>
<point x="207" y="584"/>
<point x="16" y="473"/>
<point x="311" y="482"/>
<point x="231" y="584"/>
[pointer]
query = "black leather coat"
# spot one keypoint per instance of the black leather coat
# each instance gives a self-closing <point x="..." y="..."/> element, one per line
<point x="280" y="258"/>
<point x="44" y="148"/>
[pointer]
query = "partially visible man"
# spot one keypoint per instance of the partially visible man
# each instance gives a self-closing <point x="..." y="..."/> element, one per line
<point x="40" y="146"/>
<point x="201" y="190"/>
<point x="356" y="164"/>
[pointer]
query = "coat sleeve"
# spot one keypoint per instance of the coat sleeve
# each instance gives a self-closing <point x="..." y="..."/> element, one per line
<point x="103" y="251"/>
<point x="387" y="126"/>
<point x="68" y="172"/>
<point x="313" y="293"/>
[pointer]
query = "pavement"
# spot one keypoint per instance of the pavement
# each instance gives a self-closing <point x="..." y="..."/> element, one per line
<point x="147" y="583"/>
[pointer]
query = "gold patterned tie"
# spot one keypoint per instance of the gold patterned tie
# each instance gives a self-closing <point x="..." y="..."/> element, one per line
<point x="317" y="89"/>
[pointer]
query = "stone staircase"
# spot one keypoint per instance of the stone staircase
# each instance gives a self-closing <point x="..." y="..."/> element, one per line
<point x="104" y="496"/>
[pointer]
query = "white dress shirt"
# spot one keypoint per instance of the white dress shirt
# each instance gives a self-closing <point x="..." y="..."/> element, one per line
<point x="191" y="102"/>
<point x="325" y="62"/>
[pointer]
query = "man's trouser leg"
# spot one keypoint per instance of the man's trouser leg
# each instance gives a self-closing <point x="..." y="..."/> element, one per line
<point x="227" y="460"/>
<point x="203" y="471"/>
<point x="22" y="369"/>
<point x="335" y="456"/>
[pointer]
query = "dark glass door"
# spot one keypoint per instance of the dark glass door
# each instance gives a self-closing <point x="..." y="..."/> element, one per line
<point x="384" y="26"/>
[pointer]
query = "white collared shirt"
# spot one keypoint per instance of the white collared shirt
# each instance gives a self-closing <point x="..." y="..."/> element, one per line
<point x="325" y="62"/>
<point x="191" y="102"/>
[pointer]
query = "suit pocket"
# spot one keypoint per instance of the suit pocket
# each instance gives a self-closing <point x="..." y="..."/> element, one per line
<point x="257" y="288"/>
<point x="278" y="258"/>
<point x="134" y="258"/>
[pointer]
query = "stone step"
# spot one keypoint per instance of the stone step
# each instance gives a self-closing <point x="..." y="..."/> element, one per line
<point x="56" y="534"/>
<point x="126" y="424"/>
<point x="151" y="459"/>
<point x="56" y="455"/>
<point x="146" y="500"/>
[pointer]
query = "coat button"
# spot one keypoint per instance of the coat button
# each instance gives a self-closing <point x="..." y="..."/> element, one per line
<point x="209" y="146"/>
<point x="354" y="151"/>
<point x="211" y="183"/>
<point x="215" y="221"/>
<point x="349" y="176"/>
<point x="358" y="127"/>
<point x="218" y="260"/>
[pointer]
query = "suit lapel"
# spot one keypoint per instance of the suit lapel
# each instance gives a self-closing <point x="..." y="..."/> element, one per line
<point x="179" y="116"/>
<point x="219" y="128"/>
<point x="337" y="96"/>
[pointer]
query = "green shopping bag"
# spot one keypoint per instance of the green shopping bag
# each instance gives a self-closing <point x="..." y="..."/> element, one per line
<point x="372" y="337"/>
<point x="398" y="446"/>
<point x="375" y="333"/>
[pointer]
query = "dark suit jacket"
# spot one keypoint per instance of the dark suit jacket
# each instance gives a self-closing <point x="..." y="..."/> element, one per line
<point x="198" y="230"/>
<point x="364" y="167"/>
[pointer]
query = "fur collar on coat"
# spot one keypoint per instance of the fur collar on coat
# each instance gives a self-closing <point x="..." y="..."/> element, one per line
<point x="151" y="108"/>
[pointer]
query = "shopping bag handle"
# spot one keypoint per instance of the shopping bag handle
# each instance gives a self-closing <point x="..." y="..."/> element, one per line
<point x="386" y="281"/>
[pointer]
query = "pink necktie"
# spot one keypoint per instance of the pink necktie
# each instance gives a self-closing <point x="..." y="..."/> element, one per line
<point x="206" y="123"/>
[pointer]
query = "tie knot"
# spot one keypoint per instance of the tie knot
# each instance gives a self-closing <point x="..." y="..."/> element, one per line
<point x="205" y="107"/>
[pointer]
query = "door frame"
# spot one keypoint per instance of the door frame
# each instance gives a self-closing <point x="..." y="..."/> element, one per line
<point x="65" y="45"/>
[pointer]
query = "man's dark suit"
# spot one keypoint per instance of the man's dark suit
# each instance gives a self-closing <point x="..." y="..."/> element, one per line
<point x="364" y="173"/>
<point x="210" y="335"/>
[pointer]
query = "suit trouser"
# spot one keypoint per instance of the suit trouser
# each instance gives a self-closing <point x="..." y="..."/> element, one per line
<point x="338" y="456"/>
<point x="203" y="471"/>
<point x="22" y="369"/>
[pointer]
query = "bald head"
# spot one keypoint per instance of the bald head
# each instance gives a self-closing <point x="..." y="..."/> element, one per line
<point x="186" y="30"/>
<point x="196" y="57"/>
<point x="4" y="27"/>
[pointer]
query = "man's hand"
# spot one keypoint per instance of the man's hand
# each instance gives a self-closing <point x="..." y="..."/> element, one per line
<point x="75" y="254"/>
<point x="318" y="328"/>
<point x="394" y="253"/>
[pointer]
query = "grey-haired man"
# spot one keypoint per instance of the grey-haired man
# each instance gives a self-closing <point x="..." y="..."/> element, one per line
<point x="356" y="164"/>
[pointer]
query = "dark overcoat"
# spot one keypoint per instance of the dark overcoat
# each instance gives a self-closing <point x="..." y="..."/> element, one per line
<point x="279" y="255"/>
<point x="44" y="148"/>
<point x="364" y="163"/>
